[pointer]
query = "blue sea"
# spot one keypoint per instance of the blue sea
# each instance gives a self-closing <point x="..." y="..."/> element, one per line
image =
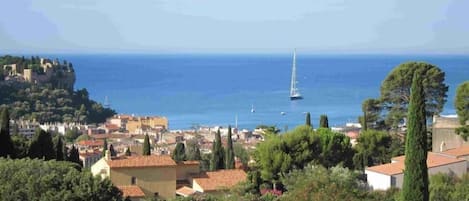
<point x="212" y="89"/>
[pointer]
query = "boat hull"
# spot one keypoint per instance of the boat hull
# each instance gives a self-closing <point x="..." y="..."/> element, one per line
<point x="296" y="97"/>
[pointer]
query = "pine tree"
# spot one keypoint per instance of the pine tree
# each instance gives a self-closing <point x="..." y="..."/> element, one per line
<point x="324" y="121"/>
<point x="112" y="151"/>
<point x="146" y="146"/>
<point x="415" y="185"/>
<point x="6" y="144"/>
<point x="127" y="152"/>
<point x="230" y="157"/>
<point x="42" y="146"/>
<point x="179" y="153"/>
<point x="308" y="120"/>
<point x="218" y="161"/>
<point x="103" y="154"/>
<point x="59" y="150"/>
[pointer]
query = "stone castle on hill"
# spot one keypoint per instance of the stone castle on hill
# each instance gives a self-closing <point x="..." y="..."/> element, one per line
<point x="45" y="71"/>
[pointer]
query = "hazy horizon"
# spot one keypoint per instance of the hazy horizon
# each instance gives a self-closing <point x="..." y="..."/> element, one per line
<point x="213" y="26"/>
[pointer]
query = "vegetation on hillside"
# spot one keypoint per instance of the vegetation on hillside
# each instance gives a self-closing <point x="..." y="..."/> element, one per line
<point x="461" y="103"/>
<point x="48" y="102"/>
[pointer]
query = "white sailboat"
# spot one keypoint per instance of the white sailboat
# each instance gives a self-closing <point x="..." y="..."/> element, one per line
<point x="294" y="92"/>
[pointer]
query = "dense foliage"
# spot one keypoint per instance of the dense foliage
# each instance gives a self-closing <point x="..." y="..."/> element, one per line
<point x="395" y="90"/>
<point x="415" y="186"/>
<point x="373" y="148"/>
<point x="461" y="103"/>
<point x="193" y="150"/>
<point x="323" y="121"/>
<point x="445" y="187"/>
<point x="308" y="119"/>
<point x="371" y="118"/>
<point x="279" y="154"/>
<point x="26" y="179"/>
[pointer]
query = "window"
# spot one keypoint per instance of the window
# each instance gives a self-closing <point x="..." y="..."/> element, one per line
<point x="156" y="194"/>
<point x="393" y="181"/>
<point x="133" y="181"/>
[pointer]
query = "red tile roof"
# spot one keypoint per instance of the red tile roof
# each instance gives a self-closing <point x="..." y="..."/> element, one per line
<point x="93" y="143"/>
<point x="131" y="191"/>
<point x="457" y="152"/>
<point x="211" y="181"/>
<point x="433" y="160"/>
<point x="185" y="191"/>
<point x="141" y="161"/>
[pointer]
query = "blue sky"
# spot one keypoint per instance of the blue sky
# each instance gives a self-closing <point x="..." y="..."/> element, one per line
<point x="154" y="26"/>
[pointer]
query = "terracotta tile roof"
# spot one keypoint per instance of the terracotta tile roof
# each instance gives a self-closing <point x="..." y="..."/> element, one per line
<point x="185" y="191"/>
<point x="131" y="191"/>
<point x="112" y="126"/>
<point x="211" y="181"/>
<point x="141" y="161"/>
<point x="433" y="160"/>
<point x="457" y="152"/>
<point x="94" y="143"/>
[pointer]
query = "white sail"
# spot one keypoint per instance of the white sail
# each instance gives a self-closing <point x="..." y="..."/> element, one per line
<point x="294" y="92"/>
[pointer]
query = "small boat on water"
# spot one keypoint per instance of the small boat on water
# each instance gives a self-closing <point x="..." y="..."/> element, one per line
<point x="294" y="91"/>
<point x="252" y="109"/>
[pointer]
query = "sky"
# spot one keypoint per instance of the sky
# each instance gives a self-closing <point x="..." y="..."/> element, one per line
<point x="161" y="26"/>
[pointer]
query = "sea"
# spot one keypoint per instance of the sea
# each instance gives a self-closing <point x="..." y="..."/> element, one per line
<point x="245" y="90"/>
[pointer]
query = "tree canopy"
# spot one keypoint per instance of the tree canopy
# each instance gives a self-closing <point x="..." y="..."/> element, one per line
<point x="146" y="146"/>
<point x="6" y="144"/>
<point x="395" y="90"/>
<point x="179" y="153"/>
<point x="218" y="154"/>
<point x="33" y="179"/>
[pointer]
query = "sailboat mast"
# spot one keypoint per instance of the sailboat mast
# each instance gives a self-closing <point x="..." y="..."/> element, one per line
<point x="293" y="75"/>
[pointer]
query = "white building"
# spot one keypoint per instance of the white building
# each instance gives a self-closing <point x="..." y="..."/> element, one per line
<point x="382" y="177"/>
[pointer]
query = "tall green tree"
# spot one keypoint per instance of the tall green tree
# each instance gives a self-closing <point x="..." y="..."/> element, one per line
<point x="6" y="144"/>
<point x="396" y="89"/>
<point x="323" y="121"/>
<point x="218" y="154"/>
<point x="21" y="145"/>
<point x="146" y="146"/>
<point x="59" y="149"/>
<point x="74" y="156"/>
<point x="371" y="118"/>
<point x="308" y="119"/>
<point x="42" y="146"/>
<point x="127" y="152"/>
<point x="193" y="150"/>
<point x="105" y="148"/>
<point x="241" y="153"/>
<point x="230" y="157"/>
<point x="179" y="153"/>
<point x="112" y="151"/>
<point x="461" y="103"/>
<point x="335" y="149"/>
<point x="415" y="187"/>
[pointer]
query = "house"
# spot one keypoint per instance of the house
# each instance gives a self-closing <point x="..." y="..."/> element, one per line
<point x="217" y="181"/>
<point x="382" y="177"/>
<point x="443" y="133"/>
<point x="153" y="175"/>
<point x="90" y="157"/>
<point x="134" y="193"/>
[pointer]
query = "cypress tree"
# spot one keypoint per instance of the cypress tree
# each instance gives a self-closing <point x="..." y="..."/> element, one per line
<point x="179" y="153"/>
<point x="104" y="148"/>
<point x="42" y="146"/>
<point x="74" y="156"/>
<point x="218" y="161"/>
<point x="323" y="121"/>
<point x="415" y="185"/>
<point x="6" y="145"/>
<point x="127" y="152"/>
<point x="308" y="120"/>
<point x="146" y="146"/>
<point x="59" y="149"/>
<point x="112" y="151"/>
<point x="230" y="158"/>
